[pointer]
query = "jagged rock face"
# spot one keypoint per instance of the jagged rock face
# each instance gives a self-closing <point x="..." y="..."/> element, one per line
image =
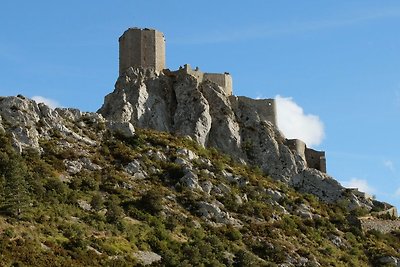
<point x="318" y="183"/>
<point x="28" y="122"/>
<point x="181" y="104"/>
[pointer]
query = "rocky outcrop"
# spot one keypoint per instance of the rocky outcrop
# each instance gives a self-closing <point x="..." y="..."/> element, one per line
<point x="29" y="122"/>
<point x="147" y="257"/>
<point x="175" y="102"/>
<point x="181" y="103"/>
<point x="178" y="102"/>
<point x="381" y="225"/>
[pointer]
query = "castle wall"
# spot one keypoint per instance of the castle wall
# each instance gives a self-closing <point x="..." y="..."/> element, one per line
<point x="195" y="73"/>
<point x="222" y="79"/>
<point x="383" y="226"/>
<point x="129" y="50"/>
<point x="148" y="49"/>
<point x="266" y="108"/>
<point x="160" y="51"/>
<point x="316" y="159"/>
<point x="298" y="146"/>
<point x="141" y="48"/>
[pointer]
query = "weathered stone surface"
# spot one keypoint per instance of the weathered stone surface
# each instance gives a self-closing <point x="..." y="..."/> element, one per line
<point x="147" y="257"/>
<point x="1" y="126"/>
<point x="212" y="211"/>
<point x="304" y="212"/>
<point x="83" y="204"/>
<point x="275" y="195"/>
<point x="381" y="225"/>
<point x="182" y="104"/>
<point x="189" y="154"/>
<point x="28" y="122"/>
<point x="135" y="169"/>
<point x="73" y="166"/>
<point x="319" y="184"/>
<point x="207" y="186"/>
<point x="389" y="261"/>
<point x="126" y="129"/>
<point x="190" y="180"/>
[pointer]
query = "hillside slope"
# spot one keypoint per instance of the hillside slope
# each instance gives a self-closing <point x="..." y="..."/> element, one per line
<point x="78" y="190"/>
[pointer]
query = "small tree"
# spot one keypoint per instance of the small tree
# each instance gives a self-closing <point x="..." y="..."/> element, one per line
<point x="114" y="211"/>
<point x="15" y="196"/>
<point x="97" y="202"/>
<point x="152" y="202"/>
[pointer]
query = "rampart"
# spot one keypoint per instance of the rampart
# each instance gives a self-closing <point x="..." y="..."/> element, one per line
<point x="314" y="159"/>
<point x="381" y="225"/>
<point x="141" y="48"/>
<point x="224" y="80"/>
<point x="266" y="108"/>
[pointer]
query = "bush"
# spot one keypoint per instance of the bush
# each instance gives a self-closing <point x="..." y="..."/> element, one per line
<point x="152" y="202"/>
<point x="114" y="211"/>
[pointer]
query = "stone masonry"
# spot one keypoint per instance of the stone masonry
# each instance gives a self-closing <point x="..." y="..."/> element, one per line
<point x="381" y="225"/>
<point x="145" y="48"/>
<point x="224" y="80"/>
<point x="315" y="159"/>
<point x="141" y="48"/>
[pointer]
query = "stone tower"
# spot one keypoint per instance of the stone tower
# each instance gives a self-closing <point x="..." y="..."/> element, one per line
<point x="141" y="48"/>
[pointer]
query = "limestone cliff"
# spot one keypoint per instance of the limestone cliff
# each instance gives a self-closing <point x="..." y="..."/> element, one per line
<point x="180" y="103"/>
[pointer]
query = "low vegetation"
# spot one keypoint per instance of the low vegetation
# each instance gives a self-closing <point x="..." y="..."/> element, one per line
<point x="51" y="216"/>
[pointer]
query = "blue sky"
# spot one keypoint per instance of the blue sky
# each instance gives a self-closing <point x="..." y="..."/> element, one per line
<point x="335" y="64"/>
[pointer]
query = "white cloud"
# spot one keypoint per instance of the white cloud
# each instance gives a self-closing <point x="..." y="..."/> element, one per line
<point x="296" y="125"/>
<point x="50" y="102"/>
<point x="389" y="164"/>
<point x="361" y="184"/>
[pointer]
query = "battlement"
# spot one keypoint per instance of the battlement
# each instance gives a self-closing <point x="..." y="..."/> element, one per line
<point x="224" y="80"/>
<point x="141" y="48"/>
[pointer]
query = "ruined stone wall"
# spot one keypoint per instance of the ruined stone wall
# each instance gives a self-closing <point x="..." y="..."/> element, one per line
<point x="298" y="146"/>
<point x="316" y="159"/>
<point x="266" y="108"/>
<point x="196" y="73"/>
<point x="222" y="79"/>
<point x="383" y="226"/>
<point x="141" y="48"/>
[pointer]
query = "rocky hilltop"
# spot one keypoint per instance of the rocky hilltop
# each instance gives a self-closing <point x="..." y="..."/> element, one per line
<point x="174" y="170"/>
<point x="180" y="103"/>
<point x="78" y="189"/>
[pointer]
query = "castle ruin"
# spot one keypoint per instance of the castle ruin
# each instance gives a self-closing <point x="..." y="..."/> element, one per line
<point x="141" y="48"/>
<point x="145" y="48"/>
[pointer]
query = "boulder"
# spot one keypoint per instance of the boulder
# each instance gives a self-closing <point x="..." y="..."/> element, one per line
<point x="147" y="257"/>
<point x="125" y="129"/>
